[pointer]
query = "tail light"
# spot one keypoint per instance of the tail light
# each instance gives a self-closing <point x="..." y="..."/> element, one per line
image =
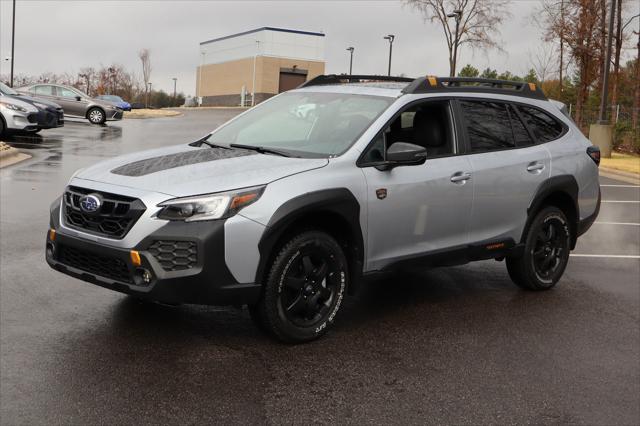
<point x="594" y="153"/>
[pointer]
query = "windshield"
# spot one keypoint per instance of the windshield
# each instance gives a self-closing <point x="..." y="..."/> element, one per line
<point x="6" y="90"/>
<point x="304" y="124"/>
<point x="111" y="98"/>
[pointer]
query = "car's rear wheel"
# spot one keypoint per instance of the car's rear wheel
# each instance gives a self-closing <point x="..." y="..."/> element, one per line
<point x="546" y="251"/>
<point x="304" y="289"/>
<point x="2" y="126"/>
<point x="96" y="116"/>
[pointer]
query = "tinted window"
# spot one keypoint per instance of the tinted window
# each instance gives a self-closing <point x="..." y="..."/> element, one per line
<point x="488" y="126"/>
<point x="520" y="133"/>
<point x="544" y="127"/>
<point x="44" y="90"/>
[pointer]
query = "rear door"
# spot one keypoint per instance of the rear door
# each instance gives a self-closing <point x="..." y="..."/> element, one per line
<point x="507" y="169"/>
<point x="45" y="91"/>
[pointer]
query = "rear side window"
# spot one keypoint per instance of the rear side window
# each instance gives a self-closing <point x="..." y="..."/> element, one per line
<point x="520" y="133"/>
<point x="44" y="90"/>
<point x="544" y="127"/>
<point x="488" y="125"/>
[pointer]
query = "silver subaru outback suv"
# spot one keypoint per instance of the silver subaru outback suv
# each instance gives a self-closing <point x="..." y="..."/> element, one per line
<point x="293" y="204"/>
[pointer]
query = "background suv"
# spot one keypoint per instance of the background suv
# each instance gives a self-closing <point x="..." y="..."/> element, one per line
<point x="294" y="203"/>
<point x="24" y="113"/>
<point x="75" y="103"/>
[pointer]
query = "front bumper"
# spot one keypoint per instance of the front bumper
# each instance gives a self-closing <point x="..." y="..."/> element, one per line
<point x="207" y="280"/>
<point x="50" y="118"/>
<point x="114" y="115"/>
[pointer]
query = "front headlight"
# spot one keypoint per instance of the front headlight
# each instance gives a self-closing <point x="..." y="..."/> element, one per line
<point x="13" y="107"/>
<point x="209" y="207"/>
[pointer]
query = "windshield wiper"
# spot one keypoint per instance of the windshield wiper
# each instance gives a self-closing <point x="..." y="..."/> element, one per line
<point x="260" y="149"/>
<point x="206" y="142"/>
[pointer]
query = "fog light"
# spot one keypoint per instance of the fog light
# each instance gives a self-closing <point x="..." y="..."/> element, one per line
<point x="143" y="276"/>
<point x="50" y="250"/>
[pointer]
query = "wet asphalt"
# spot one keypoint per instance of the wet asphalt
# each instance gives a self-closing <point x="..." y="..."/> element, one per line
<point x="458" y="345"/>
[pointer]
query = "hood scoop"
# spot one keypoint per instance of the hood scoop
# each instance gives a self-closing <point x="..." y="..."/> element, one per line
<point x="165" y="162"/>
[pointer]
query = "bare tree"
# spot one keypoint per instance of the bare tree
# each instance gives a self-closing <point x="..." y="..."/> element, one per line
<point x="543" y="61"/>
<point x="145" y="58"/>
<point x="471" y="22"/>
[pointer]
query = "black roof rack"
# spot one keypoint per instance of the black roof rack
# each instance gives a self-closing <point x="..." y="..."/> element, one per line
<point x="345" y="78"/>
<point x="432" y="84"/>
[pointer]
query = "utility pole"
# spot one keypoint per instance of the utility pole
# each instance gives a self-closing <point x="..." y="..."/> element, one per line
<point x="253" y="85"/>
<point x="351" y="49"/>
<point x="13" y="41"/>
<point x="200" y="78"/>
<point x="174" y="87"/>
<point x="602" y="116"/>
<point x="148" y="93"/>
<point x="457" y="14"/>
<point x="390" y="37"/>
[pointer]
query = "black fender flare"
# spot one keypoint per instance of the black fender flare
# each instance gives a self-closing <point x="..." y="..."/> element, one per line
<point x="337" y="201"/>
<point x="565" y="184"/>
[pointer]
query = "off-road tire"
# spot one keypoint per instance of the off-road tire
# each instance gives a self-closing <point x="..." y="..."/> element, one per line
<point x="526" y="271"/>
<point x="278" y="309"/>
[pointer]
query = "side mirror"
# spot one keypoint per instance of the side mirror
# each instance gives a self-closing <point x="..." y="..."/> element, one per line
<point x="78" y="98"/>
<point x="403" y="154"/>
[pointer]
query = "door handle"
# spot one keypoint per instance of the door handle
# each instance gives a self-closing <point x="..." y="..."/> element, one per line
<point x="460" y="177"/>
<point x="535" y="167"/>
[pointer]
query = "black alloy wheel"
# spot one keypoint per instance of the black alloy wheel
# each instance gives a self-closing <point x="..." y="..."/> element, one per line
<point x="304" y="289"/>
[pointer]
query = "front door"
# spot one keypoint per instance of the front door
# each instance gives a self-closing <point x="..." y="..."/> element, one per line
<point x="68" y="100"/>
<point x="417" y="210"/>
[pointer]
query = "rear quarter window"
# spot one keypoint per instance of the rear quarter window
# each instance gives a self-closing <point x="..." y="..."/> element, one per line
<point x="544" y="127"/>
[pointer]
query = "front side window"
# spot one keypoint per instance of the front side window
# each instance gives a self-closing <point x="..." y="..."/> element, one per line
<point x="45" y="90"/>
<point x="66" y="93"/>
<point x="488" y="125"/>
<point x="304" y="124"/>
<point x="544" y="127"/>
<point x="427" y="124"/>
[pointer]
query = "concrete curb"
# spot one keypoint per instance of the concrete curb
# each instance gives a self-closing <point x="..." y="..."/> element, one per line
<point x="628" y="177"/>
<point x="10" y="155"/>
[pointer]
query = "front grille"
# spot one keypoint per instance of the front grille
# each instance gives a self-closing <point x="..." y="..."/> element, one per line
<point x="114" y="218"/>
<point x="104" y="266"/>
<point x="175" y="255"/>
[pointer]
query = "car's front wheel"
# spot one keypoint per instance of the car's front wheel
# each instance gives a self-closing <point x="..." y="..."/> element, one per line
<point x="304" y="289"/>
<point x="96" y="116"/>
<point x="546" y="252"/>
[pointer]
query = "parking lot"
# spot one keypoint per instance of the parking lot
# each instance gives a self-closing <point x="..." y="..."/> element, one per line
<point x="458" y="345"/>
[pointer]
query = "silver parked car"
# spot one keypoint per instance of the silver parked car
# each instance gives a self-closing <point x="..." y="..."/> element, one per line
<point x="293" y="204"/>
<point x="75" y="103"/>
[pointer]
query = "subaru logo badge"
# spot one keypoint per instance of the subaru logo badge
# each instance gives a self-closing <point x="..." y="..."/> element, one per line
<point x="90" y="203"/>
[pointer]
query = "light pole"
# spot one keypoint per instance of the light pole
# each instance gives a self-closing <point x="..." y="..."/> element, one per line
<point x="112" y="75"/>
<point x="148" y="93"/>
<point x="85" y="76"/>
<point x="390" y="37"/>
<point x="253" y="85"/>
<point x="13" y="41"/>
<point x="602" y="116"/>
<point x="200" y="78"/>
<point x="175" y="79"/>
<point x="457" y="14"/>
<point x="351" y="49"/>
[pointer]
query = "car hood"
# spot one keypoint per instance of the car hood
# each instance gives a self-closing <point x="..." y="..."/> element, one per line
<point x="184" y="170"/>
<point x="32" y="99"/>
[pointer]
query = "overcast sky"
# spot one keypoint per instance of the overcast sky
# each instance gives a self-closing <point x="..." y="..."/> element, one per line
<point x="63" y="36"/>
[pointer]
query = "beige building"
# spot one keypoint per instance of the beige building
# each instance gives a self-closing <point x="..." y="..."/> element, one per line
<point x="265" y="61"/>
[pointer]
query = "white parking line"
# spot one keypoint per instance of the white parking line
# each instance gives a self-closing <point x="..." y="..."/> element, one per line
<point x="614" y="256"/>
<point x="621" y="186"/>
<point x="622" y="201"/>
<point x="616" y="223"/>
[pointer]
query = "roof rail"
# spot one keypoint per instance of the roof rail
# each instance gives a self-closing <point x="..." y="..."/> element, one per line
<point x="431" y="84"/>
<point x="345" y="78"/>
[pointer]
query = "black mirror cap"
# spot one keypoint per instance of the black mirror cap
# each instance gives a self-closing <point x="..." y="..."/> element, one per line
<point x="406" y="153"/>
